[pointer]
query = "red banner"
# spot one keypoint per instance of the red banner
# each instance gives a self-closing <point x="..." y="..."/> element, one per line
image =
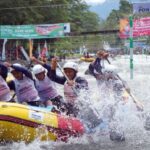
<point x="141" y="27"/>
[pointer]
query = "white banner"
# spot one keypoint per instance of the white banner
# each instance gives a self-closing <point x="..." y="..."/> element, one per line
<point x="67" y="28"/>
<point x="141" y="7"/>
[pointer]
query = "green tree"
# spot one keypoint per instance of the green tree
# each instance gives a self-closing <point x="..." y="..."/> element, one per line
<point x="125" y="9"/>
<point x="18" y="12"/>
<point x="113" y="20"/>
<point x="76" y="12"/>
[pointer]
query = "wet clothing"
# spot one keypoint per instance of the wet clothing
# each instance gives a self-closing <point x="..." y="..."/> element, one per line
<point x="4" y="90"/>
<point x="109" y="83"/>
<point x="3" y="71"/>
<point x="25" y="89"/>
<point x="95" y="67"/>
<point x="69" y="92"/>
<point x="80" y="83"/>
<point x="106" y="79"/>
<point x="47" y="90"/>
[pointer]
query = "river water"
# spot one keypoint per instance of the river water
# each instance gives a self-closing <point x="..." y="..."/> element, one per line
<point x="137" y="138"/>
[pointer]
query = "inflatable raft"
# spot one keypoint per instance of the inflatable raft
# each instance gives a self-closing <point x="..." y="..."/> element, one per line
<point x="25" y="123"/>
<point x="90" y="59"/>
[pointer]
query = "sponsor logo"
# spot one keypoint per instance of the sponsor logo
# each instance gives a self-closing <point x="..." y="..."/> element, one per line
<point x="45" y="30"/>
<point x="36" y="116"/>
<point x="142" y="9"/>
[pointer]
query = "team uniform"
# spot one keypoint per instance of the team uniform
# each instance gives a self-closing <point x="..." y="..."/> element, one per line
<point x="46" y="87"/>
<point x="25" y="89"/>
<point x="3" y="71"/>
<point x="70" y="92"/>
<point x="111" y="87"/>
<point x="4" y="90"/>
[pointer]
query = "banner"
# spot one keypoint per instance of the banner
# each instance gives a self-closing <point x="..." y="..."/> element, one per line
<point x="141" y="27"/>
<point x="32" y="31"/>
<point x="141" y="8"/>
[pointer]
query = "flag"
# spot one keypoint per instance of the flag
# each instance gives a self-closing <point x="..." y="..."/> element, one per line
<point x="39" y="50"/>
<point x="44" y="52"/>
<point x="24" y="53"/>
<point x="4" y="50"/>
<point x="30" y="47"/>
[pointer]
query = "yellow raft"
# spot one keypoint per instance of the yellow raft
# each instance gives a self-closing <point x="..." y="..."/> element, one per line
<point x="89" y="59"/>
<point x="25" y="123"/>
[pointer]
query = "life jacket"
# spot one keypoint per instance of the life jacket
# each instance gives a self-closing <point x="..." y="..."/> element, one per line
<point x="4" y="90"/>
<point x="69" y="93"/>
<point x="46" y="89"/>
<point x="25" y="90"/>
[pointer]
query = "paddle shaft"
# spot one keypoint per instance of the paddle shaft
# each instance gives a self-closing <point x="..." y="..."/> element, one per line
<point x="62" y="71"/>
<point x="139" y="105"/>
<point x="108" y="60"/>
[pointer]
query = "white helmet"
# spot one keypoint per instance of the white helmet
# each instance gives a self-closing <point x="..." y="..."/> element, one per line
<point x="38" y="69"/>
<point x="17" y="65"/>
<point x="71" y="65"/>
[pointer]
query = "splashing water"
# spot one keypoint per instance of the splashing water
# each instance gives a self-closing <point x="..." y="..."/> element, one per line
<point x="126" y="118"/>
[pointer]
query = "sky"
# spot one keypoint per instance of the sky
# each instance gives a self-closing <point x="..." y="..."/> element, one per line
<point x="104" y="7"/>
<point x="95" y="1"/>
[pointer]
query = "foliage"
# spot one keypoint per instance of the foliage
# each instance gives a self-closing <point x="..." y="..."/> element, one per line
<point x="76" y="12"/>
<point x="112" y="22"/>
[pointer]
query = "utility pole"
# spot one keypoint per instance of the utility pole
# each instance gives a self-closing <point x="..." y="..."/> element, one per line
<point x="131" y="46"/>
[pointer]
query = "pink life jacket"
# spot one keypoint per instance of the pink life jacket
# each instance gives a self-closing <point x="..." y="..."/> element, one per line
<point x="25" y="90"/>
<point x="4" y="90"/>
<point x="69" y="93"/>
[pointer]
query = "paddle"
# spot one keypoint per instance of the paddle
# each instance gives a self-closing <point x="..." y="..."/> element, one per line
<point x="139" y="105"/>
<point x="107" y="60"/>
<point x="93" y="112"/>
